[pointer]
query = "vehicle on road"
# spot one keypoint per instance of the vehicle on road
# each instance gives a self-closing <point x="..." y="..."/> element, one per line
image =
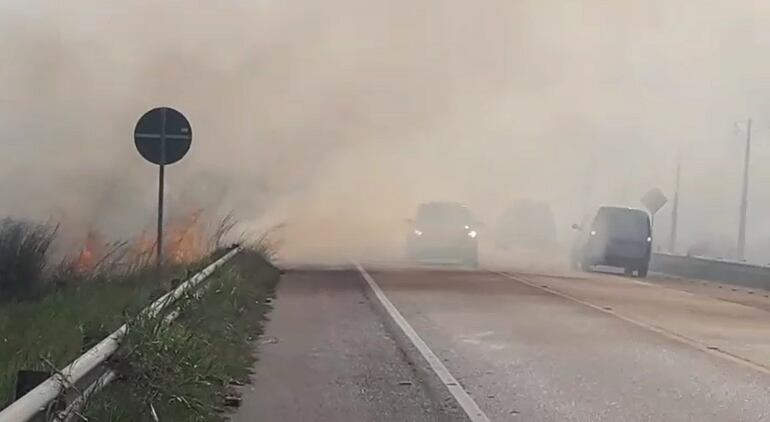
<point x="617" y="237"/>
<point x="526" y="225"/>
<point x="443" y="232"/>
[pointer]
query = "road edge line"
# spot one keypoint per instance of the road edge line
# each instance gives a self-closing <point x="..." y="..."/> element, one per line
<point x="466" y="402"/>
<point x="713" y="351"/>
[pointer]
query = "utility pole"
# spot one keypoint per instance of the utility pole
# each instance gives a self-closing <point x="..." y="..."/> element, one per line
<point x="744" y="196"/>
<point x="675" y="208"/>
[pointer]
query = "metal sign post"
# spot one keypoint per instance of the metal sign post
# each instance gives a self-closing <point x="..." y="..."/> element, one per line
<point x="741" y="248"/>
<point x="654" y="200"/>
<point x="162" y="136"/>
<point x="675" y="209"/>
<point x="161" y="185"/>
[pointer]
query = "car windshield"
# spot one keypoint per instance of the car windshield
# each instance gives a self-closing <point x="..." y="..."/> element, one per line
<point x="622" y="223"/>
<point x="444" y="215"/>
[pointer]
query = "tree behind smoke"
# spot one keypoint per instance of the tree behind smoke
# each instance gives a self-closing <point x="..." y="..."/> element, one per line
<point x="338" y="117"/>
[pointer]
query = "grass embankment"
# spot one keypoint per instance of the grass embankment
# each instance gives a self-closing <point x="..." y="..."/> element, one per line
<point x="185" y="371"/>
<point x="51" y="331"/>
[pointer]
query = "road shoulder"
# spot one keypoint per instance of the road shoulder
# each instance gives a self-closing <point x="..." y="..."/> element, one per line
<point x="327" y="356"/>
<point x="729" y="329"/>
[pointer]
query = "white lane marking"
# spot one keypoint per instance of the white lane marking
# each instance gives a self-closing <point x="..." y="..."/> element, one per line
<point x="483" y="334"/>
<point x="474" y="412"/>
<point x="711" y="350"/>
<point x="654" y="285"/>
<point x="476" y="338"/>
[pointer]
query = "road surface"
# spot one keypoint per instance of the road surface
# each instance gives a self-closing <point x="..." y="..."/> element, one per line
<point x="523" y="347"/>
<point x="327" y="355"/>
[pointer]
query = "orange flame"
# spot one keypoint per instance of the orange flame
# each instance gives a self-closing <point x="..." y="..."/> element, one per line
<point x="185" y="240"/>
<point x="91" y="254"/>
<point x="142" y="247"/>
<point x="183" y="244"/>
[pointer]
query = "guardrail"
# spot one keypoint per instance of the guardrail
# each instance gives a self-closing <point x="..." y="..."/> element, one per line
<point x="39" y="399"/>
<point x="726" y="271"/>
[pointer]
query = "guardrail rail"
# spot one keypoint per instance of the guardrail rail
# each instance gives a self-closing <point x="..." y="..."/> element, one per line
<point x="722" y="270"/>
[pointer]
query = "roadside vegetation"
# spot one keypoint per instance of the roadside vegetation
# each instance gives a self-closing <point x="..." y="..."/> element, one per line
<point x="24" y="248"/>
<point x="188" y="370"/>
<point x="51" y="312"/>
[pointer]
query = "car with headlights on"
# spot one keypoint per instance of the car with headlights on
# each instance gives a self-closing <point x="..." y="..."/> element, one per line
<point x="443" y="232"/>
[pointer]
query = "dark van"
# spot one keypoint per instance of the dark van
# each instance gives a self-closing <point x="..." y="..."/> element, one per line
<point x="618" y="237"/>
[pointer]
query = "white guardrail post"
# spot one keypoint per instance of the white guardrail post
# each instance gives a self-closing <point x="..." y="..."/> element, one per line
<point x="37" y="400"/>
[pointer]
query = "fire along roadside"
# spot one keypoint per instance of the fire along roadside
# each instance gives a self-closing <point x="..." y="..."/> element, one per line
<point x="36" y="401"/>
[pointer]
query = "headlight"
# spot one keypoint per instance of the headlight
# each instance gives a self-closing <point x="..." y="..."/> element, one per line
<point x="593" y="232"/>
<point x="649" y="239"/>
<point x="417" y="232"/>
<point x="472" y="234"/>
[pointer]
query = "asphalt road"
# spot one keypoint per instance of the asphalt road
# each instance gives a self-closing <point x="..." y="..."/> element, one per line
<point x="525" y="347"/>
<point x="328" y="355"/>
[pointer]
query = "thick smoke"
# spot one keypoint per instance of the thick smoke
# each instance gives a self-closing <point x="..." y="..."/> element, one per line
<point x="338" y="117"/>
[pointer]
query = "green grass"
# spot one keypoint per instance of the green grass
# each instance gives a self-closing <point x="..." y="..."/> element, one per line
<point x="50" y="332"/>
<point x="183" y="371"/>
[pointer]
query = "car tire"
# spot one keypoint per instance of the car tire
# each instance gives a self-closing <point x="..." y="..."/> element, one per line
<point x="643" y="270"/>
<point x="628" y="271"/>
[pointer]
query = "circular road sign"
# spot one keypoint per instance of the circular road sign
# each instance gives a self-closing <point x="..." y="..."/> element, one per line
<point x="163" y="136"/>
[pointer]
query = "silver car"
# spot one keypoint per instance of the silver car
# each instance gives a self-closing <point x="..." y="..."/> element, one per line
<point x="443" y="232"/>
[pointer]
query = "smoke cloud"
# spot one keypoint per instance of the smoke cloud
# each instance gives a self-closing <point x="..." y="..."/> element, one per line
<point x="337" y="118"/>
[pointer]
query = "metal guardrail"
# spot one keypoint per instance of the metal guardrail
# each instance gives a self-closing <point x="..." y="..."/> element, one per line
<point x="725" y="271"/>
<point x="38" y="400"/>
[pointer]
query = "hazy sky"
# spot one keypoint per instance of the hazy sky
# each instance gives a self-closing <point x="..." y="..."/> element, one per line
<point x="338" y="117"/>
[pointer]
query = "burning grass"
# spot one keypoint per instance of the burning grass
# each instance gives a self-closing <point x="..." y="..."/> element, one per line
<point x="51" y="312"/>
